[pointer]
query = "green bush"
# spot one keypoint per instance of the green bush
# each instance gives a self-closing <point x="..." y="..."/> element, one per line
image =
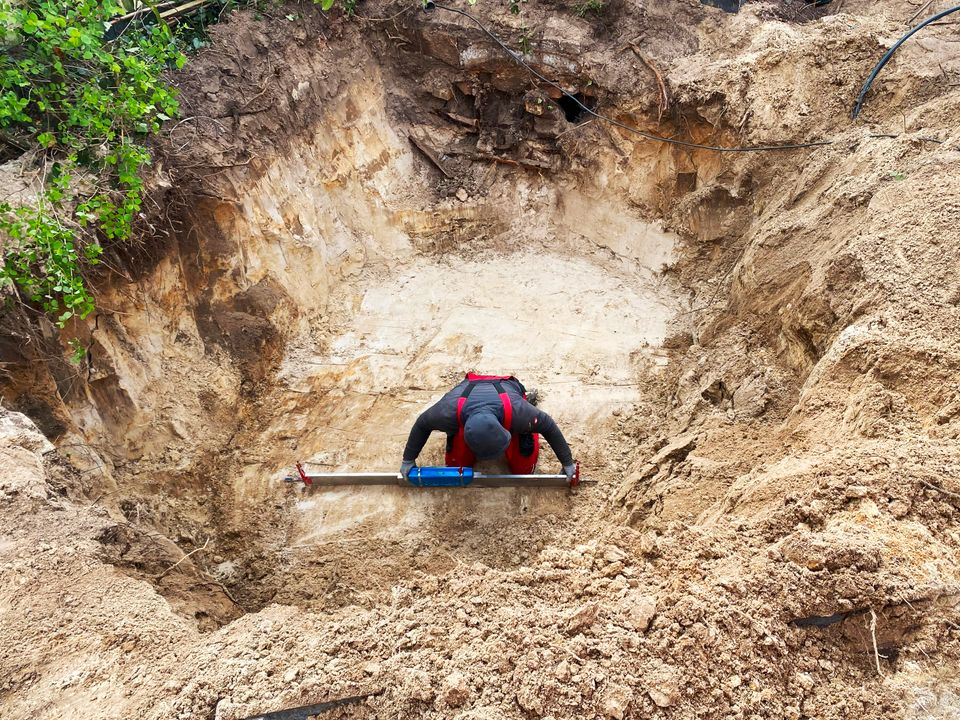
<point x="588" y="6"/>
<point x="80" y="107"/>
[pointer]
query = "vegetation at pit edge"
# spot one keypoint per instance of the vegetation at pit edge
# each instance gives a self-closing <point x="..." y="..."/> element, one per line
<point x="80" y="93"/>
<point x="77" y="108"/>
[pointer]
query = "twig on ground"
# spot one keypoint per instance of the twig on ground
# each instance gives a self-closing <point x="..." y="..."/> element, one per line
<point x="146" y="10"/>
<point x="873" y="636"/>
<point x="11" y="143"/>
<point x="260" y="94"/>
<point x="575" y="127"/>
<point x="664" y="100"/>
<point x="198" y="117"/>
<point x="460" y="119"/>
<point x="716" y="292"/>
<point x="939" y="489"/>
<point x="406" y="8"/>
<point x="505" y="161"/>
<point x="571" y="653"/>
<point x="917" y="13"/>
<point x="214" y="169"/>
<point x="429" y="153"/>
<point x="924" y="138"/>
<point x="204" y="193"/>
<point x="195" y="550"/>
<point x="223" y="589"/>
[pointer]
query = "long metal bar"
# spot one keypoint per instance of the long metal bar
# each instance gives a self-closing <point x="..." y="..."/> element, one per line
<point x="520" y="477"/>
<point x="338" y="479"/>
<point x="501" y="481"/>
<point x="348" y="478"/>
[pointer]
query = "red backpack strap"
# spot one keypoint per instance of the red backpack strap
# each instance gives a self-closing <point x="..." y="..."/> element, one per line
<point x="463" y="401"/>
<point x="504" y="398"/>
<point x="507" y="405"/>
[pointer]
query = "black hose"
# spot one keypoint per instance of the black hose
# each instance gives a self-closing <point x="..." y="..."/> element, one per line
<point x="887" y="55"/>
<point x="308" y="711"/>
<point x="430" y="5"/>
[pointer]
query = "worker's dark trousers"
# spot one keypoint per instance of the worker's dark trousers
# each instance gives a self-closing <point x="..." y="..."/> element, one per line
<point x="521" y="455"/>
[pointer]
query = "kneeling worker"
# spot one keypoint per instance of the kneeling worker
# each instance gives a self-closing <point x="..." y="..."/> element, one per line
<point x="487" y="417"/>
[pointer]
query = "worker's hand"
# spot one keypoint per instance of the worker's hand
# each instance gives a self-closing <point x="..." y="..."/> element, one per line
<point x="405" y="467"/>
<point x="570" y="470"/>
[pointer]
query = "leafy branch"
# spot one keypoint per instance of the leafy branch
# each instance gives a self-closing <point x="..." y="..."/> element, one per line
<point x="79" y="107"/>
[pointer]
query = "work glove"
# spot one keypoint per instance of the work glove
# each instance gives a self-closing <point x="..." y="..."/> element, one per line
<point x="570" y="470"/>
<point x="405" y="467"/>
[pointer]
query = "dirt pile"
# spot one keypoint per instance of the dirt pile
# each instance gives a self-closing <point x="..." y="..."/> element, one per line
<point x="634" y="623"/>
<point x="752" y="354"/>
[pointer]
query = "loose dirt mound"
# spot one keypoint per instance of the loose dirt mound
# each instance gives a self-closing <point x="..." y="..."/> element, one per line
<point x="754" y="355"/>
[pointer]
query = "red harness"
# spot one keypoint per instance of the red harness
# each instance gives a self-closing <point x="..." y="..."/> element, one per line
<point x="472" y="381"/>
<point x="521" y="460"/>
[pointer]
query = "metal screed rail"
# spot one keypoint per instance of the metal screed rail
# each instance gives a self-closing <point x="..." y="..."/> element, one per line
<point x="436" y="477"/>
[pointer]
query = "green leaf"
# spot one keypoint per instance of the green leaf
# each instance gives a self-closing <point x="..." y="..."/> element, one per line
<point x="325" y="5"/>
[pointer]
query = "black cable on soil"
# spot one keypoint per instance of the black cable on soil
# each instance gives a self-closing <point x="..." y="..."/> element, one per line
<point x="307" y="711"/>
<point x="889" y="54"/>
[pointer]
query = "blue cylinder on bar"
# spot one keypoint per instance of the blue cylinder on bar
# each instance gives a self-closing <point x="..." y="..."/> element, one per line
<point x="441" y="476"/>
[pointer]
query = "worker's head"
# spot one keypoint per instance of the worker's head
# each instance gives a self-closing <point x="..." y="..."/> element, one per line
<point x="485" y="435"/>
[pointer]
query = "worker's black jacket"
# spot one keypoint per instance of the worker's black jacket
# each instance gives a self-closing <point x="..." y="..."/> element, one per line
<point x="442" y="416"/>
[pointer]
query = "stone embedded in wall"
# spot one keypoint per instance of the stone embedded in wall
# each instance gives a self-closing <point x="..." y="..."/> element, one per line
<point x="18" y="430"/>
<point x="21" y="466"/>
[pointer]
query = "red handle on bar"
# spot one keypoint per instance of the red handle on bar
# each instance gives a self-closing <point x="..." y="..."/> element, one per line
<point x="308" y="482"/>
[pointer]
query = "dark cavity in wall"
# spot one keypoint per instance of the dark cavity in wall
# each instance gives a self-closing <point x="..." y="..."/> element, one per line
<point x="733" y="6"/>
<point x="730" y="6"/>
<point x="573" y="110"/>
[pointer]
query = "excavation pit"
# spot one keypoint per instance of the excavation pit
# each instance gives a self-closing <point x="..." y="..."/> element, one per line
<point x="750" y="353"/>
